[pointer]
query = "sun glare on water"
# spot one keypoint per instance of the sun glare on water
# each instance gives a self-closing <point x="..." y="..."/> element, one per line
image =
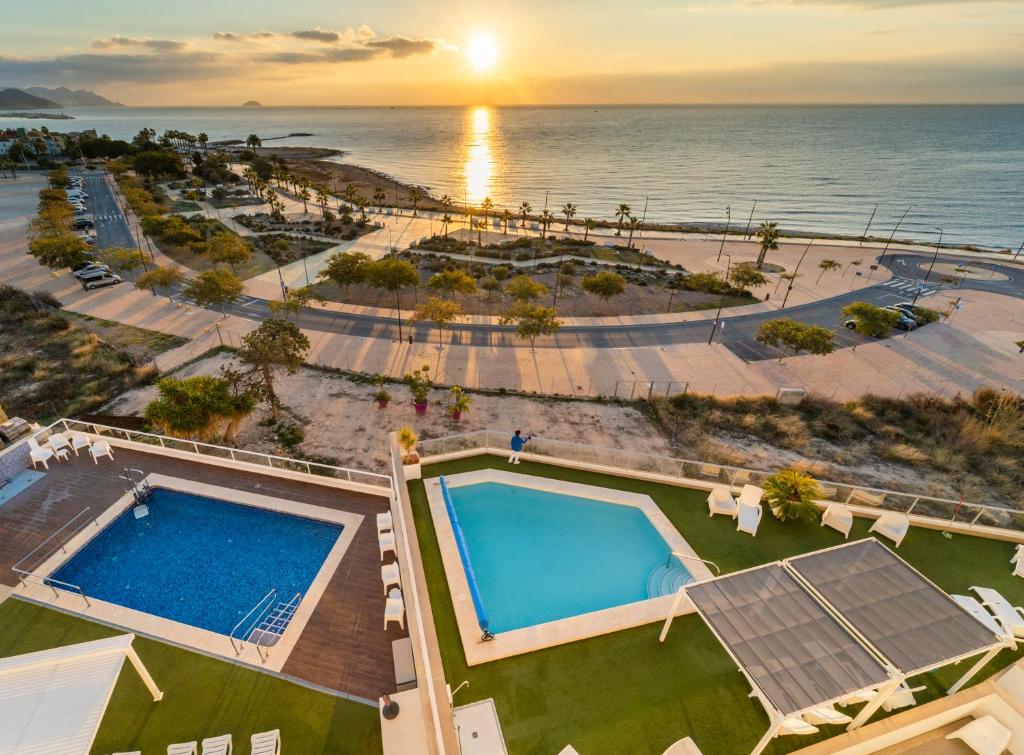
<point x="482" y="52"/>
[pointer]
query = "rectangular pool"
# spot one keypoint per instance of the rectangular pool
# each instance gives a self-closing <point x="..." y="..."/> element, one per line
<point x="200" y="561"/>
<point x="540" y="556"/>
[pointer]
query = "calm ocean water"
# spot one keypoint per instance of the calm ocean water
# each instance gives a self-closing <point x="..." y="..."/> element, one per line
<point x="809" y="168"/>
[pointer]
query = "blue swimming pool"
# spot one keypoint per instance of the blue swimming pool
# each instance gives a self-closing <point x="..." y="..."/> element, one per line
<point x="200" y="561"/>
<point x="541" y="556"/>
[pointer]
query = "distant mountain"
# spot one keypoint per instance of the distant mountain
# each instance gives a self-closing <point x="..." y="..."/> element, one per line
<point x="252" y="103"/>
<point x="10" y="98"/>
<point x="73" y="98"/>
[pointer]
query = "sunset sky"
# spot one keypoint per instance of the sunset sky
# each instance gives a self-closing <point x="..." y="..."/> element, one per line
<point x="315" y="52"/>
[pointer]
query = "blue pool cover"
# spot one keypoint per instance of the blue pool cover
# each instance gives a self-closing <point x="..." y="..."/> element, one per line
<point x="200" y="561"/>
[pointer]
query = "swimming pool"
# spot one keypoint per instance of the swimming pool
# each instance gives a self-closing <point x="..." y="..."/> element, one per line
<point x="541" y="556"/>
<point x="199" y="560"/>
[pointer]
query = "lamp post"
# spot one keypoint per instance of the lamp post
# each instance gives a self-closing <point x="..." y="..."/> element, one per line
<point x="865" y="235"/>
<point x="795" y="271"/>
<point x="1019" y="250"/>
<point x="920" y="286"/>
<point x="643" y="219"/>
<point x="889" y="240"/>
<point x="746" y="233"/>
<point x="728" y="220"/>
<point x="721" y="301"/>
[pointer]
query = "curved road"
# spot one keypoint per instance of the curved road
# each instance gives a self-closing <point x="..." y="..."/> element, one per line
<point x="910" y="272"/>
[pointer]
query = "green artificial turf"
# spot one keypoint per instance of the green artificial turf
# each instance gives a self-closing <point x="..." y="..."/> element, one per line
<point x="203" y="697"/>
<point x="627" y="693"/>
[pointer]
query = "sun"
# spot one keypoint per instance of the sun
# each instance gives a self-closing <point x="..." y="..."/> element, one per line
<point x="482" y="52"/>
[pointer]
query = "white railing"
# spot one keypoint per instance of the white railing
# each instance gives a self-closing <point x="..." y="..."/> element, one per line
<point x="356" y="476"/>
<point x="945" y="510"/>
<point x="27" y="565"/>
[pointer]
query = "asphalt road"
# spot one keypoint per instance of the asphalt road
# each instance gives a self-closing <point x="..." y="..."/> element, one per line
<point x="737" y="333"/>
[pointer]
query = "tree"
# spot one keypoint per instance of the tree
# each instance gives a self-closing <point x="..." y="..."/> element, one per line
<point x="768" y="232"/>
<point x="214" y="288"/>
<point x="589" y="224"/>
<point x="242" y="403"/>
<point x="569" y="210"/>
<point x="524" y="212"/>
<point x="486" y="206"/>
<point x="345" y="268"/>
<point x="634" y="223"/>
<point x="622" y="212"/>
<point x="791" y="493"/>
<point x="745" y="275"/>
<point x="275" y="344"/>
<point x="825" y="265"/>
<point x="158" y="163"/>
<point x="322" y="199"/>
<point x="798" y="336"/>
<point x="532" y="320"/>
<point x="166" y="278"/>
<point x="59" y="252"/>
<point x="415" y="195"/>
<point x="446" y="220"/>
<point x="440" y="312"/>
<point x="451" y="282"/>
<point x="546" y="219"/>
<point x="393" y="274"/>
<point x="172" y="229"/>
<point x="379" y="195"/>
<point x="228" y="247"/>
<point x="604" y="285"/>
<point x="253" y="142"/>
<point x="123" y="259"/>
<point x="523" y="288"/>
<point x="305" y="196"/>
<point x="870" y="320"/>
<point x="294" y="301"/>
<point x="204" y="141"/>
<point x="490" y="284"/>
<point x="193" y="407"/>
<point x="506" y="216"/>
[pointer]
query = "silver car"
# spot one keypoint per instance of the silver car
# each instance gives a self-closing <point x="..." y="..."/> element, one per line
<point x="101" y="280"/>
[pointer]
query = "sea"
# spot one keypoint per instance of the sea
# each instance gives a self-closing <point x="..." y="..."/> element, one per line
<point x="814" y="169"/>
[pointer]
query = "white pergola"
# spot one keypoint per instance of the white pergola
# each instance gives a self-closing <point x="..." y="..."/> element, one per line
<point x="52" y="701"/>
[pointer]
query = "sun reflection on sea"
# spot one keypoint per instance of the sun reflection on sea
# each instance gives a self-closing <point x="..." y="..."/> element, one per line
<point x="478" y="168"/>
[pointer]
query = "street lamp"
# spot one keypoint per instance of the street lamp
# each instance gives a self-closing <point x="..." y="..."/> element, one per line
<point x="728" y="220"/>
<point x="920" y="286"/>
<point x="721" y="301"/>
<point x="795" y="271"/>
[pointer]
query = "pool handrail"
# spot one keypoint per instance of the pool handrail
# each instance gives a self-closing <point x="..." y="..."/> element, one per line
<point x="265" y="604"/>
<point x="467" y="564"/>
<point x="677" y="554"/>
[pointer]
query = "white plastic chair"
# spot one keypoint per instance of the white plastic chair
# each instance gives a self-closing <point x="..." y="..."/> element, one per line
<point x="59" y="445"/>
<point x="859" y="697"/>
<point x="749" y="517"/>
<point x="985" y="736"/>
<point x="750" y="495"/>
<point x="839" y="517"/>
<point x="39" y="454"/>
<point x="903" y="697"/>
<point x="266" y="743"/>
<point x="217" y="745"/>
<point x="720" y="501"/>
<point x="183" y="748"/>
<point x="1009" y="616"/>
<point x="100" y="448"/>
<point x="893" y="526"/>
<point x="394" y="609"/>
<point x="1018" y="568"/>
<point x="384" y="523"/>
<point x="796" y="725"/>
<point x="825" y="715"/>
<point x="390" y="575"/>
<point x="79" y="440"/>
<point x="386" y="540"/>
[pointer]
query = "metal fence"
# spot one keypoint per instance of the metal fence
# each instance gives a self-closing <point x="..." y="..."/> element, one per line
<point x="357" y="476"/>
<point x="943" y="510"/>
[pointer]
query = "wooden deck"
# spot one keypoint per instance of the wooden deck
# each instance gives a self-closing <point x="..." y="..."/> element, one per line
<point x="343" y="647"/>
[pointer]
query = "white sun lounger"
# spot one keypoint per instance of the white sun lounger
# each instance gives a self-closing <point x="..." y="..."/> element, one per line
<point x="266" y="743"/>
<point x="217" y="745"/>
<point x="859" y="697"/>
<point x="839" y="517"/>
<point x="825" y="714"/>
<point x="985" y="736"/>
<point x="903" y="697"/>
<point x="1018" y="568"/>
<point x="394" y="609"/>
<point x="386" y="540"/>
<point x="1011" y="617"/>
<point x="39" y="454"/>
<point x="749" y="518"/>
<point x="977" y="610"/>
<point x="720" y="501"/>
<point x="100" y="448"/>
<point x="390" y="575"/>
<point x="183" y="748"/>
<point x="751" y="495"/>
<point x="796" y="725"/>
<point x="384" y="523"/>
<point x="893" y="526"/>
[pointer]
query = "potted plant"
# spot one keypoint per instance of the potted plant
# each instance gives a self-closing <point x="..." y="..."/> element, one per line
<point x="382" y="397"/>
<point x="419" y="386"/>
<point x="406" y="437"/>
<point x="460" y="403"/>
<point x="791" y="493"/>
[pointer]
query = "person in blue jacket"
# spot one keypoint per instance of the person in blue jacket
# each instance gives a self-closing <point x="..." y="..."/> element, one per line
<point x="517" y="444"/>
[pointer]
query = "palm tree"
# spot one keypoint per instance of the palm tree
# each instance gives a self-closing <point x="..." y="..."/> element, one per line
<point x="569" y="210"/>
<point x="634" y="223"/>
<point x="445" y="220"/>
<point x="505" y="217"/>
<point x="769" y="234"/>
<point x="588" y="225"/>
<point x="254" y="142"/>
<point x="546" y="219"/>
<point x="446" y="202"/>
<point x="204" y="141"/>
<point x="524" y="213"/>
<point x="415" y="194"/>
<point x="361" y="204"/>
<point x="379" y="195"/>
<point x="322" y="198"/>
<point x="304" y="195"/>
<point x="622" y="213"/>
<point x="487" y="205"/>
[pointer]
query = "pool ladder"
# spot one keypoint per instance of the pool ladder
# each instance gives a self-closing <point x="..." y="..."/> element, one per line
<point x="265" y="623"/>
<point x="139" y="489"/>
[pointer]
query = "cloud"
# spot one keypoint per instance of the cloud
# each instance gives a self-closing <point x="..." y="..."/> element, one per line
<point x="882" y="4"/>
<point x="91" y="68"/>
<point x="403" y="47"/>
<point x="316" y="35"/>
<point x="153" y="44"/>
<point x="230" y="36"/>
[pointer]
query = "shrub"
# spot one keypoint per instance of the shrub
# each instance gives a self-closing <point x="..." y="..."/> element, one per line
<point x="289" y="436"/>
<point x="791" y="493"/>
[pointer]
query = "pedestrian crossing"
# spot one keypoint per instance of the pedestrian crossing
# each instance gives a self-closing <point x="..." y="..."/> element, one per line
<point x="912" y="286"/>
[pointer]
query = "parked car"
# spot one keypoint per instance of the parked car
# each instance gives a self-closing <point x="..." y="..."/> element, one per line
<point x="907" y="321"/>
<point x="909" y="310"/>
<point x="102" y="280"/>
<point x="84" y="222"/>
<point x="90" y="240"/>
<point x="86" y="263"/>
<point x="93" y="268"/>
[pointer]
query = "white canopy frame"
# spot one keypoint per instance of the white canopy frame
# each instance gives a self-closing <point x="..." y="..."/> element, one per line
<point x="882" y="691"/>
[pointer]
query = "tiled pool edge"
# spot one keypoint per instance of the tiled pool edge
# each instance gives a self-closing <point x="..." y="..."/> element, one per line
<point x="583" y="626"/>
<point x="179" y="633"/>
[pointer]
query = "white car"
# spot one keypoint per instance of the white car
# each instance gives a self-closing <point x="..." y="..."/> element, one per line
<point x="90" y="270"/>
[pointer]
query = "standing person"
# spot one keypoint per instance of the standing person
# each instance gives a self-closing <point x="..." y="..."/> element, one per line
<point x="517" y="444"/>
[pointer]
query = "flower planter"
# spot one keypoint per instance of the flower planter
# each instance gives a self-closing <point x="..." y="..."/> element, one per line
<point x="421" y="408"/>
<point x="456" y="416"/>
<point x="412" y="471"/>
<point x="382" y="403"/>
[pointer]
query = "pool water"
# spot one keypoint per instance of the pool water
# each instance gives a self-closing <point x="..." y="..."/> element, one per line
<point x="541" y="556"/>
<point x="200" y="561"/>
